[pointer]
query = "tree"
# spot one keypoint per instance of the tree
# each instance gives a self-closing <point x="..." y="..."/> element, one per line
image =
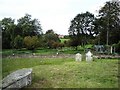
<point x="81" y="28"/>
<point x="117" y="46"/>
<point x="29" y="27"/>
<point x="108" y="23"/>
<point x="25" y="27"/>
<point x="50" y="38"/>
<point x="74" y="42"/>
<point x="18" y="42"/>
<point x="7" y="26"/>
<point x="31" y="43"/>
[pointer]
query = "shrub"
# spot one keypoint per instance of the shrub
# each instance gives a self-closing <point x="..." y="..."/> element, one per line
<point x="18" y="42"/>
<point x="117" y="46"/>
<point x="31" y="42"/>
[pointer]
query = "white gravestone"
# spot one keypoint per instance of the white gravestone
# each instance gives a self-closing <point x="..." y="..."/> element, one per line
<point x="89" y="56"/>
<point x="78" y="57"/>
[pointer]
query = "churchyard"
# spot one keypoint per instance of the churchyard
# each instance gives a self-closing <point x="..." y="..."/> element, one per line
<point x="88" y="56"/>
<point x="52" y="70"/>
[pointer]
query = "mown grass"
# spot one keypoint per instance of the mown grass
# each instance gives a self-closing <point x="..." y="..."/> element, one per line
<point x="46" y="51"/>
<point x="66" y="73"/>
<point x="63" y="40"/>
<point x="41" y="51"/>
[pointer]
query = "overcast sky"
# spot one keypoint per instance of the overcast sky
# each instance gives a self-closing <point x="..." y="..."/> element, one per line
<point x="52" y="14"/>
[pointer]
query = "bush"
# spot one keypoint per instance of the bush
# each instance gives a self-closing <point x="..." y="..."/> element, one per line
<point x="117" y="46"/>
<point x="18" y="42"/>
<point x="31" y="42"/>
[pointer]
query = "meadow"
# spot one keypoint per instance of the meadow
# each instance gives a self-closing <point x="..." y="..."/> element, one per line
<point x="46" y="51"/>
<point x="62" y="40"/>
<point x="66" y="72"/>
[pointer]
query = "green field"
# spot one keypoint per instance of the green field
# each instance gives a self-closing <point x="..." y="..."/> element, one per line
<point x="66" y="73"/>
<point x="41" y="51"/>
<point x="46" y="51"/>
<point x="63" y="40"/>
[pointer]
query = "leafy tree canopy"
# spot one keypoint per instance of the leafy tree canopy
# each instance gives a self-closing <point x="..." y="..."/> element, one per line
<point x="82" y="28"/>
<point x="107" y="24"/>
<point x="29" y="26"/>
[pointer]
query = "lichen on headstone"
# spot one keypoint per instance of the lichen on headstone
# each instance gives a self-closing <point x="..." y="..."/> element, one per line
<point x="18" y="79"/>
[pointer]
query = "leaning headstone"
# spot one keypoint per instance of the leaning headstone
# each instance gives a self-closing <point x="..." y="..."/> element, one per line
<point x="89" y="56"/>
<point x="17" y="79"/>
<point x="78" y="57"/>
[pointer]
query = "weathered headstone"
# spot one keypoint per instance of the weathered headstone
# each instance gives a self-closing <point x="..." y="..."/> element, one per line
<point x="57" y="53"/>
<point x="17" y="79"/>
<point x="33" y="54"/>
<point x="89" y="56"/>
<point x="78" y="57"/>
<point x="111" y="49"/>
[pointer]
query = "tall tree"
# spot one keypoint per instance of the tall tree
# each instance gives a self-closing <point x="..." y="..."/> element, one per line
<point x="18" y="42"/>
<point x="7" y="26"/>
<point x="50" y="38"/>
<point x="109" y="22"/>
<point x="29" y="26"/>
<point x="81" y="28"/>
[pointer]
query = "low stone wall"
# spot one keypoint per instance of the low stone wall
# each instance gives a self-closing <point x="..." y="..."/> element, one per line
<point x="107" y="57"/>
<point x="17" y="79"/>
<point x="43" y="56"/>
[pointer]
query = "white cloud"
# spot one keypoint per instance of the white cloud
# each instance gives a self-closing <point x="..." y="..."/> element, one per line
<point x="53" y="14"/>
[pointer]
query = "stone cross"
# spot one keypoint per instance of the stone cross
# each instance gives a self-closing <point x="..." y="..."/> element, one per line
<point x="78" y="57"/>
<point x="89" y="56"/>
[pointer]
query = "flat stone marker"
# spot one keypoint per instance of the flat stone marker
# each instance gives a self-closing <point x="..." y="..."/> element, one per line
<point x="17" y="79"/>
<point x="78" y="57"/>
<point x="89" y="56"/>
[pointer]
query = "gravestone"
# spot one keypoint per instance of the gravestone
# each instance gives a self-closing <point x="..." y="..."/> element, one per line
<point x="57" y="53"/>
<point x="89" y="56"/>
<point x="33" y="54"/>
<point x="17" y="79"/>
<point x="99" y="48"/>
<point x="78" y="57"/>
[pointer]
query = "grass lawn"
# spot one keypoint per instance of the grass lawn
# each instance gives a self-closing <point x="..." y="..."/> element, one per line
<point x="66" y="72"/>
<point x="63" y="40"/>
<point x="45" y="51"/>
<point x="41" y="51"/>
